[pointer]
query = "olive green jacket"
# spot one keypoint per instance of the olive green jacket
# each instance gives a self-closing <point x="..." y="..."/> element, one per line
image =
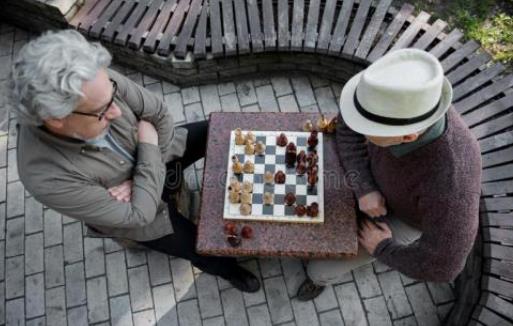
<point x="72" y="177"/>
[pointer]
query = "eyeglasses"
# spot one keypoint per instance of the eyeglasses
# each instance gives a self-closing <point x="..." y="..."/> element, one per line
<point x="104" y="110"/>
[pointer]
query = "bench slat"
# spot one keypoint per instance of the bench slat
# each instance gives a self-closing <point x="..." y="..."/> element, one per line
<point x="356" y="27"/>
<point x="496" y="204"/>
<point x="496" y="141"/>
<point x="269" y="26"/>
<point x="150" y="44"/>
<point x="498" y="286"/>
<point x="499" y="267"/>
<point x="411" y="32"/>
<point x="477" y="81"/>
<point x="484" y="94"/>
<point x="327" y="24"/>
<point x="339" y="34"/>
<point x="125" y="30"/>
<point x="241" y="25"/>
<point x="298" y="13"/>
<point x="215" y="29"/>
<point x="135" y="39"/>
<point x="255" y="27"/>
<point x="497" y="173"/>
<point x="106" y="16"/>
<point x="430" y="35"/>
<point x="372" y="30"/>
<point x="457" y="56"/>
<point x="200" y="36"/>
<point x="184" y="38"/>
<point x="469" y="67"/>
<point x="311" y="26"/>
<point x="454" y="36"/>
<point x="494" y="234"/>
<point x="496" y="251"/>
<point x="172" y="28"/>
<point x="283" y="25"/>
<point x="391" y="32"/>
<point x="82" y="13"/>
<point x="497" y="219"/>
<point x="493" y="126"/>
<point x="498" y="157"/>
<point x="119" y="16"/>
<point x="497" y="188"/>
<point x="489" y="318"/>
<point x="499" y="305"/>
<point x="488" y="110"/>
<point x="229" y="37"/>
<point x="92" y="16"/>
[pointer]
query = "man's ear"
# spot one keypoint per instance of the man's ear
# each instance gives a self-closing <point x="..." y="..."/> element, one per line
<point x="55" y="123"/>
<point x="410" y="138"/>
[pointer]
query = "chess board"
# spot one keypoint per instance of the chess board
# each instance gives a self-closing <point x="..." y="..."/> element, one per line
<point x="274" y="160"/>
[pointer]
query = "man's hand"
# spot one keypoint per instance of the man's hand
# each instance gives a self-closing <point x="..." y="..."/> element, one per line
<point x="370" y="235"/>
<point x="373" y="204"/>
<point x="122" y="192"/>
<point x="147" y="133"/>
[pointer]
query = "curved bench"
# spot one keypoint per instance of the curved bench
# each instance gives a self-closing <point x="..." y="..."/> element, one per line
<point x="203" y="41"/>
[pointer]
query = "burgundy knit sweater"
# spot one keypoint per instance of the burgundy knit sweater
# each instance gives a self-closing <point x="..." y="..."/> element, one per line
<point x="435" y="188"/>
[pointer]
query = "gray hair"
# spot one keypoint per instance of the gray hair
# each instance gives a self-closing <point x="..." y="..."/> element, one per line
<point x="47" y="75"/>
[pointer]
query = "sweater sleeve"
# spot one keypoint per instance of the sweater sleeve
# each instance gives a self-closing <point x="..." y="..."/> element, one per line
<point x="449" y="229"/>
<point x="354" y="157"/>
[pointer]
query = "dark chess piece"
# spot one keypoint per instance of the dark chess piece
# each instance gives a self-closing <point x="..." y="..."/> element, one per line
<point x="312" y="158"/>
<point x="230" y="228"/>
<point x="301" y="168"/>
<point x="312" y="179"/>
<point x="290" y="154"/>
<point x="301" y="157"/>
<point x="281" y="140"/>
<point x="300" y="210"/>
<point x="313" y="210"/>
<point x="290" y="199"/>
<point x="233" y="240"/>
<point x="313" y="140"/>
<point x="246" y="232"/>
<point x="279" y="177"/>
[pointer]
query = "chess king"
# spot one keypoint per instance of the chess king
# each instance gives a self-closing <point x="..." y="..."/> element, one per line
<point x="417" y="168"/>
<point x="95" y="146"/>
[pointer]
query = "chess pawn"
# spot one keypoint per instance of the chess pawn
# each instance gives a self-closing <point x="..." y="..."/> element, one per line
<point x="322" y="123"/>
<point x="249" y="149"/>
<point x="312" y="158"/>
<point x="332" y="125"/>
<point x="260" y="148"/>
<point x="308" y="126"/>
<point x="301" y="157"/>
<point x="281" y="140"/>
<point x="313" y="140"/>
<point x="245" y="198"/>
<point x="312" y="179"/>
<point x="268" y="177"/>
<point x="313" y="210"/>
<point x="301" y="168"/>
<point x="268" y="198"/>
<point x="249" y="167"/>
<point x="280" y="177"/>
<point x="247" y="187"/>
<point x="237" y="166"/>
<point x="239" y="138"/>
<point x="245" y="209"/>
<point x="234" y="185"/>
<point x="250" y="137"/>
<point x="290" y="199"/>
<point x="234" y="197"/>
<point x="290" y="158"/>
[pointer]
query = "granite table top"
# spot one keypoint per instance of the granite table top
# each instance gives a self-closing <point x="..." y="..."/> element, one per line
<point x="335" y="238"/>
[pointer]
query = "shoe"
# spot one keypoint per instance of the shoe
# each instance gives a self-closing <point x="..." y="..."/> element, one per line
<point x="244" y="280"/>
<point x="309" y="290"/>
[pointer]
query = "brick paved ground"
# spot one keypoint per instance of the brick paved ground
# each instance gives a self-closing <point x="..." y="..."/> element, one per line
<point x="50" y="274"/>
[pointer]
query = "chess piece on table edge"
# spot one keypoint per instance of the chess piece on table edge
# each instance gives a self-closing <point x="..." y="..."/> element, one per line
<point x="239" y="138"/>
<point x="245" y="209"/>
<point x="237" y="166"/>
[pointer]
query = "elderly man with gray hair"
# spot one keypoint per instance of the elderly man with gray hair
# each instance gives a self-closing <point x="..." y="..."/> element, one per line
<point x="95" y="146"/>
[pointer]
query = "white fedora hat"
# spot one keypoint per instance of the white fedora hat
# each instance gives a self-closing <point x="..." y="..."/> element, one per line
<point x="401" y="93"/>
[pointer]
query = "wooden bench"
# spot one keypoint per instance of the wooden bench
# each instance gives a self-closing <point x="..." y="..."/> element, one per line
<point x="200" y="41"/>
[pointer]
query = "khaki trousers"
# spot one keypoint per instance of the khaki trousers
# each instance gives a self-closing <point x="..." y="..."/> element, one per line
<point x="326" y="272"/>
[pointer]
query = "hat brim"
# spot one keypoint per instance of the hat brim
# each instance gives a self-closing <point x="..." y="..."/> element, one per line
<point x="362" y="125"/>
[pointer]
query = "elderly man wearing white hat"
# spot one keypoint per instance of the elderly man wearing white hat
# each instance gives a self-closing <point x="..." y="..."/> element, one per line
<point x="413" y="166"/>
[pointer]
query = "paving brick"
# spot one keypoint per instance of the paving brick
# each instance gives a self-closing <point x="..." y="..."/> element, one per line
<point x="97" y="302"/>
<point x="350" y="305"/>
<point x="194" y="112"/>
<point x="270" y="267"/>
<point x="5" y="65"/>
<point x="54" y="266"/>
<point x="15" y="312"/>
<point x="266" y="99"/>
<point x="326" y="300"/>
<point x="68" y="220"/>
<point x="216" y="321"/>
<point x="109" y="245"/>
<point x="423" y="307"/>
<point x="278" y="300"/>
<point x="377" y="313"/>
<point x="395" y="297"/>
<point x="331" y="318"/>
<point x="304" y="312"/>
<point x="183" y="279"/>
<point x="13" y="134"/>
<point x="366" y="281"/>
<point x="234" y="312"/>
<point x="148" y="80"/>
<point x="3" y="140"/>
<point x="155" y="89"/>
<point x="251" y="299"/>
<point x="77" y="316"/>
<point x="318" y="81"/>
<point x="443" y="310"/>
<point x="407" y="281"/>
<point x="175" y="107"/>
<point x="33" y="215"/>
<point x="144" y="318"/>
<point x="309" y="109"/>
<point x="56" y="306"/>
<point x="6" y="42"/>
<point x="73" y="249"/>
<point x="35" y="295"/>
<point x="120" y="313"/>
<point x="190" y="95"/>
<point x="12" y="166"/>
<point x="326" y="100"/>
<point x="226" y="88"/>
<point x="2" y="305"/>
<point x="441" y="292"/>
<point x="379" y="267"/>
<point x="165" y="305"/>
<point x="75" y="285"/>
<point x="136" y="77"/>
<point x="259" y="316"/>
<point x="135" y="257"/>
<point x="140" y="291"/>
<point x="230" y="103"/>
<point x="2" y="260"/>
<point x="246" y="92"/>
<point x="169" y="88"/>
<point x="288" y="103"/>
<point x="304" y="93"/>
<point x="408" y="321"/>
<point x="52" y="228"/>
<point x="15" y="239"/>
<point x="294" y="274"/>
<point x="188" y="313"/>
<point x="158" y="265"/>
<point x="208" y="296"/>
<point x="251" y="108"/>
<point x="15" y="199"/>
<point x="281" y="86"/>
<point x="210" y="99"/>
<point x="14" y="277"/>
<point x="3" y="187"/>
<point x="223" y="284"/>
<point x="94" y="257"/>
<point x="260" y="81"/>
<point x="40" y="321"/>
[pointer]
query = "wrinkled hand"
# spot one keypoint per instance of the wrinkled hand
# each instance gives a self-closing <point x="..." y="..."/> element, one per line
<point x="373" y="204"/>
<point x="122" y="192"/>
<point x="147" y="133"/>
<point x="370" y="235"/>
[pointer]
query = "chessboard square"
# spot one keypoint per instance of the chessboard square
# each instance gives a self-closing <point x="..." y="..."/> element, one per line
<point x="291" y="179"/>
<point x="270" y="140"/>
<point x="270" y="159"/>
<point x="279" y="199"/>
<point x="257" y="198"/>
<point x="259" y="159"/>
<point x="312" y="191"/>
<point x="234" y="209"/>
<point x="301" y="189"/>
<point x="241" y="157"/>
<point x="279" y="210"/>
<point x="290" y="188"/>
<point x="292" y="139"/>
<point x="301" y="180"/>
<point x="258" y="187"/>
<point x="280" y="159"/>
<point x="301" y="141"/>
<point x="280" y="150"/>
<point x="270" y="167"/>
<point x="269" y="188"/>
<point x="280" y="167"/>
<point x="290" y="170"/>
<point x="259" y="169"/>
<point x="261" y="138"/>
<point x="248" y="177"/>
<point x="300" y="200"/>
<point x="290" y="210"/>
<point x="256" y="209"/>
<point x="239" y="177"/>
<point x="279" y="189"/>
<point x="270" y="150"/>
<point x="239" y="149"/>
<point x="312" y="199"/>
<point x="267" y="210"/>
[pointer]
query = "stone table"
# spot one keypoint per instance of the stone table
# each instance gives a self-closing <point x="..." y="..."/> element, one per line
<point x="335" y="238"/>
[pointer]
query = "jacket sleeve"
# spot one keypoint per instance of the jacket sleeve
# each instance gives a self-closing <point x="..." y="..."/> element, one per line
<point x="147" y="106"/>
<point x="354" y="157"/>
<point x="449" y="230"/>
<point x="93" y="204"/>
